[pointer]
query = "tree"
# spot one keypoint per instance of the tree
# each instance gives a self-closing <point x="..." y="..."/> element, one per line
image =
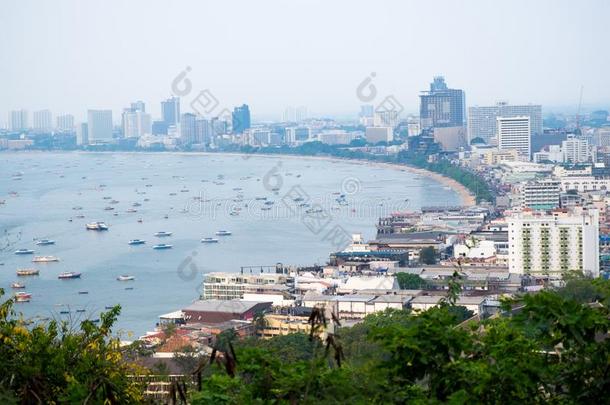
<point x="428" y="255"/>
<point x="408" y="281"/>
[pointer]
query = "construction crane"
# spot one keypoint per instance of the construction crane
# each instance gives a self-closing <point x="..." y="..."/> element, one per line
<point x="577" y="131"/>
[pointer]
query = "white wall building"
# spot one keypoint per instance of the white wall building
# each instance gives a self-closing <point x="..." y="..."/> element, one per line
<point x="379" y="134"/>
<point x="540" y="194"/>
<point x="99" y="124"/>
<point x="514" y="133"/>
<point x="575" y="150"/>
<point x="482" y="121"/>
<point x="554" y="243"/>
<point x="43" y="121"/>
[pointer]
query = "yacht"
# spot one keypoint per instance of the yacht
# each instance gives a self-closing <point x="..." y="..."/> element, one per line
<point x="132" y="210"/>
<point x="22" y="297"/>
<point x="28" y="272"/>
<point x="125" y="278"/>
<point x="137" y="242"/>
<point x="68" y="275"/>
<point x="162" y="234"/>
<point x="44" y="242"/>
<point x="162" y="246"/>
<point x="209" y="240"/>
<point x="17" y="286"/>
<point x="223" y="233"/>
<point x="97" y="226"/>
<point x="45" y="259"/>
<point x="24" y="251"/>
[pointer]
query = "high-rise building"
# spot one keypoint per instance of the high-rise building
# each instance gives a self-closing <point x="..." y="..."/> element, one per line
<point x="482" y="121"/>
<point x="82" y="134"/>
<point x="203" y="131"/>
<point x="43" y="121"/>
<point x="379" y="134"/>
<point x="65" y="122"/>
<point x="99" y="125"/>
<point x="442" y="106"/>
<point x="136" y="123"/>
<point x="138" y="106"/>
<point x="554" y="243"/>
<point x="18" y="120"/>
<point x="514" y="133"/>
<point x="540" y="194"/>
<point x="170" y="110"/>
<point x="296" y="135"/>
<point x="188" y="128"/>
<point x="241" y="119"/>
<point x="575" y="150"/>
<point x="386" y="118"/>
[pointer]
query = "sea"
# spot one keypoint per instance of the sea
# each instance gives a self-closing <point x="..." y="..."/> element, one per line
<point x="278" y="209"/>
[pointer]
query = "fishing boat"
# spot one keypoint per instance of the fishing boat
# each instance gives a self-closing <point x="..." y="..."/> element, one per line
<point x="22" y="297"/>
<point x="161" y="246"/>
<point x="28" y="272"/>
<point x="137" y="242"/>
<point x="125" y="278"/>
<point x="162" y="234"/>
<point x="45" y="242"/>
<point x="68" y="275"/>
<point x="223" y="233"/>
<point x="17" y="286"/>
<point x="45" y="259"/>
<point x="24" y="251"/>
<point x="209" y="240"/>
<point x="97" y="226"/>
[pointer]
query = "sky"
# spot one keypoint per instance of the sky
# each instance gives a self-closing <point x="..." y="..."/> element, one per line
<point x="69" y="56"/>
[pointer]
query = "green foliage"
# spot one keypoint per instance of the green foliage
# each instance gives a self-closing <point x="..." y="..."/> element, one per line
<point x="428" y="255"/>
<point x="408" y="281"/>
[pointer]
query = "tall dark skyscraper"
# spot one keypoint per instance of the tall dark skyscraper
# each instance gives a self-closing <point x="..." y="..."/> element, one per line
<point x="441" y="106"/>
<point x="241" y="119"/>
<point x="170" y="110"/>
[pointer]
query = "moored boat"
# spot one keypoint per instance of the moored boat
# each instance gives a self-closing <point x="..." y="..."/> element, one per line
<point x="28" y="272"/>
<point x="223" y="233"/>
<point x="125" y="278"/>
<point x="45" y="242"/>
<point x="22" y="297"/>
<point x="24" y="252"/>
<point x="68" y="275"/>
<point x="209" y="240"/>
<point x="97" y="226"/>
<point x="162" y="246"/>
<point x="137" y="242"/>
<point x="45" y="259"/>
<point x="17" y="286"/>
<point x="162" y="234"/>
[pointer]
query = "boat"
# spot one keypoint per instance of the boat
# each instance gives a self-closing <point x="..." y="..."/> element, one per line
<point x="223" y="233"/>
<point x="140" y="220"/>
<point x="269" y="202"/>
<point x="162" y="234"/>
<point x="261" y="198"/>
<point x="129" y="288"/>
<point x="125" y="278"/>
<point x="28" y="272"/>
<point x="44" y="242"/>
<point x="45" y="259"/>
<point x="136" y="204"/>
<point x="137" y="242"/>
<point x="22" y="297"/>
<point x="114" y="202"/>
<point x="97" y="226"/>
<point x="132" y="210"/>
<point x="108" y="208"/>
<point x="24" y="251"/>
<point x="64" y="312"/>
<point x="80" y="310"/>
<point x="17" y="286"/>
<point x="68" y="275"/>
<point x="209" y="240"/>
<point x="162" y="246"/>
<point x="83" y="292"/>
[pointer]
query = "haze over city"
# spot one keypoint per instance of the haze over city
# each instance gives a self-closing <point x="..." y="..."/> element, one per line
<point x="70" y="55"/>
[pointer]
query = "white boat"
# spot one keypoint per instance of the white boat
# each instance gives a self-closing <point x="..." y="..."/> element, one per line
<point x="22" y="297"/>
<point x="162" y="234"/>
<point x="137" y="242"/>
<point x="68" y="275"/>
<point x="44" y="242"/>
<point x="125" y="278"/>
<point x="97" y="226"/>
<point x="28" y="272"/>
<point x="209" y="240"/>
<point x="45" y="259"/>
<point x="223" y="233"/>
<point x="24" y="251"/>
<point x="17" y="286"/>
<point x="162" y="246"/>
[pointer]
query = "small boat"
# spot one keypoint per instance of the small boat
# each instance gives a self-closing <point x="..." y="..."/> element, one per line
<point x="45" y="242"/>
<point x="64" y="312"/>
<point x="108" y="307"/>
<point x="45" y="259"/>
<point x="261" y="198"/>
<point x="125" y="278"/>
<point x="136" y="204"/>
<point x="83" y="292"/>
<point x="108" y="208"/>
<point x="223" y="233"/>
<point x="28" y="272"/>
<point x="209" y="240"/>
<point x="269" y="202"/>
<point x="162" y="246"/>
<point x="129" y="288"/>
<point x="137" y="242"/>
<point x="132" y="210"/>
<point x="97" y="226"/>
<point x="172" y="194"/>
<point x="17" y="286"/>
<point x="24" y="252"/>
<point x="22" y="297"/>
<point x="77" y="208"/>
<point x="68" y="275"/>
<point x="162" y="234"/>
<point x="140" y="220"/>
<point x="80" y="310"/>
<point x="114" y="202"/>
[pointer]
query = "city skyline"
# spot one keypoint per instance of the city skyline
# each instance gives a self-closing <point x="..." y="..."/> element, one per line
<point x="312" y="70"/>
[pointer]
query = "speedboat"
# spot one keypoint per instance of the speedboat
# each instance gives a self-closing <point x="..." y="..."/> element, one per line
<point x="223" y="233"/>
<point x="137" y="242"/>
<point x="22" y="297"/>
<point x="209" y="240"/>
<point x="83" y="292"/>
<point x="24" y="251"/>
<point x="28" y="272"/>
<point x="44" y="242"/>
<point x="162" y="246"/>
<point x="108" y="208"/>
<point x="68" y="274"/>
<point x="125" y="278"/>
<point x="97" y="226"/>
<point x="17" y="286"/>
<point x="132" y="210"/>
<point x="45" y="259"/>
<point x="162" y="234"/>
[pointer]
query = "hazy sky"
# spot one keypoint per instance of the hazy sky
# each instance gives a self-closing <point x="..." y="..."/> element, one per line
<point x="72" y="55"/>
